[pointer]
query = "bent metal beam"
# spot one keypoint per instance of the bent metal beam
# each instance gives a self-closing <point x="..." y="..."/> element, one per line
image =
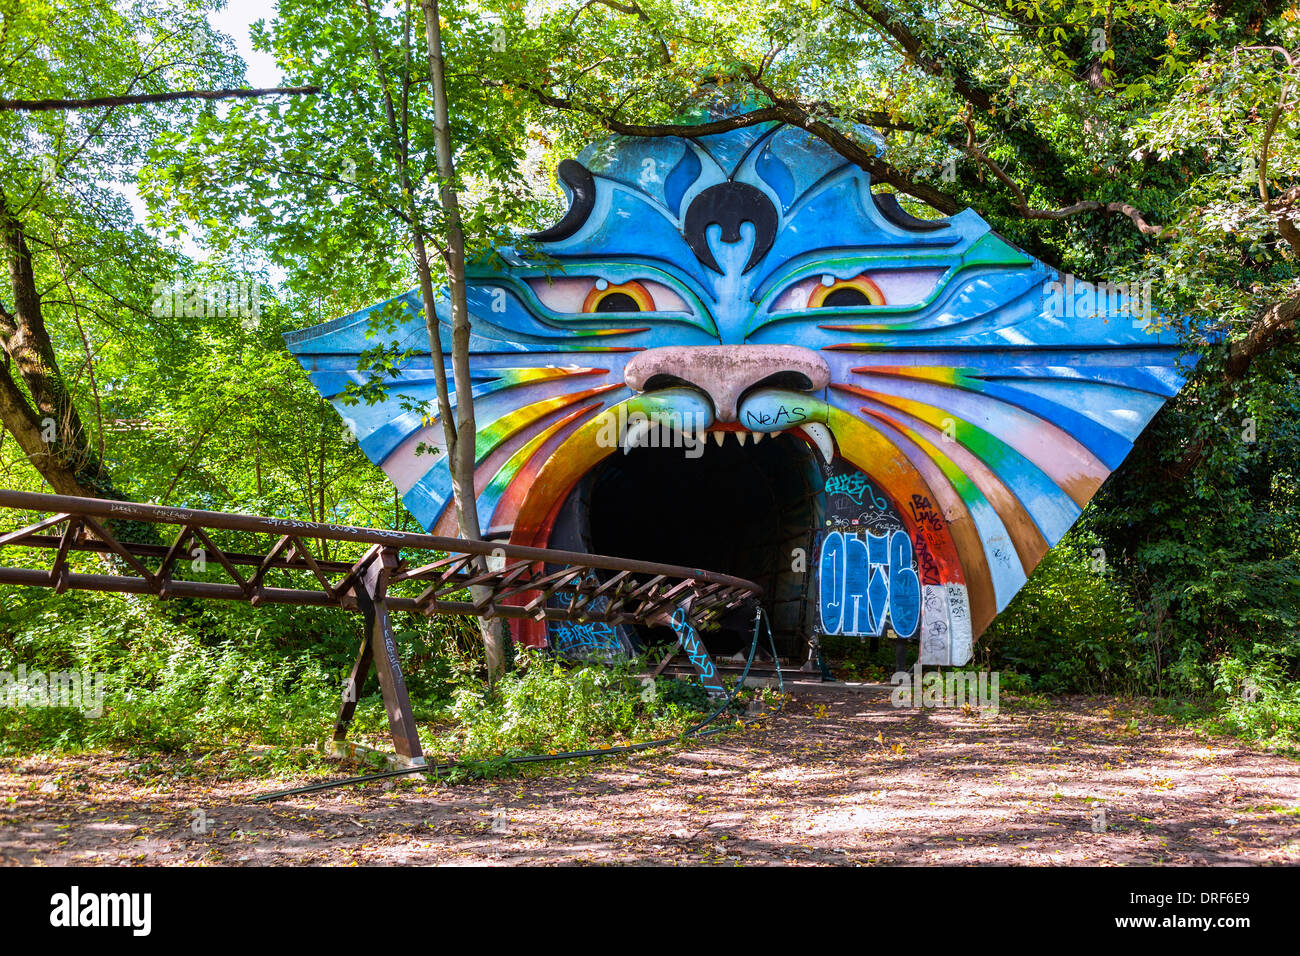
<point x="525" y="583"/>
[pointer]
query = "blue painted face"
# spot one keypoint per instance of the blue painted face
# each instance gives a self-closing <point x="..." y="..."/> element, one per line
<point x="761" y="235"/>
<point x="752" y="284"/>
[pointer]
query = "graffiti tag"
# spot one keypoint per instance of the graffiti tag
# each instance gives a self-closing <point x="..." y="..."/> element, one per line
<point x="855" y="487"/>
<point x="866" y="582"/>
<point x="782" y="416"/>
<point x="696" y="652"/>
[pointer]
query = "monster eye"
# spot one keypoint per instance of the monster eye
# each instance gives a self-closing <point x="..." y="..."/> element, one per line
<point x="596" y="295"/>
<point x="890" y="290"/>
<point x="832" y="293"/>
<point x="627" y="297"/>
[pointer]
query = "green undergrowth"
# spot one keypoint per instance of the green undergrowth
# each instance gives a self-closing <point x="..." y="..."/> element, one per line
<point x="227" y="691"/>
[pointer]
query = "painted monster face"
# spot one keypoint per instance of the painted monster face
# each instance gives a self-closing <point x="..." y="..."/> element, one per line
<point x="731" y="354"/>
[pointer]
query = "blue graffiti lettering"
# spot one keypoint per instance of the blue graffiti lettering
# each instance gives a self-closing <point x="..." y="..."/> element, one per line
<point x="830" y="572"/>
<point x="866" y="582"/>
<point x="696" y="652"/>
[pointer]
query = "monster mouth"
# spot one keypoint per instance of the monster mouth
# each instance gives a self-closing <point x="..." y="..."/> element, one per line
<point x="813" y="434"/>
<point x="725" y="499"/>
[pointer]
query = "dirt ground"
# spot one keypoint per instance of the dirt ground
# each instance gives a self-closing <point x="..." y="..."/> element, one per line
<point x="840" y="778"/>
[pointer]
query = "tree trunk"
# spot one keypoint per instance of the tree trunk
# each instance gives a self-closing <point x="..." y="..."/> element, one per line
<point x="461" y="442"/>
<point x="47" y="426"/>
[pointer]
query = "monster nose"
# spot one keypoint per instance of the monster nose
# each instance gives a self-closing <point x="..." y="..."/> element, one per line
<point x="726" y="372"/>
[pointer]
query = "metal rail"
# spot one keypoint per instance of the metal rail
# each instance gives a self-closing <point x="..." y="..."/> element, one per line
<point x="481" y="578"/>
<point x="600" y="588"/>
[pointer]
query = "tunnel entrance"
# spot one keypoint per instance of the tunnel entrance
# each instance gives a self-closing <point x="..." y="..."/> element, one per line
<point x="737" y="509"/>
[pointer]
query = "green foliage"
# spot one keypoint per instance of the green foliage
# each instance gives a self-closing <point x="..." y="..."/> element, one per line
<point x="545" y="706"/>
<point x="1260" y="699"/>
<point x="227" y="677"/>
<point x="851" y="658"/>
<point x="1201" y="526"/>
<point x="1070" y="629"/>
<point x="687" y="694"/>
<point x="167" y="687"/>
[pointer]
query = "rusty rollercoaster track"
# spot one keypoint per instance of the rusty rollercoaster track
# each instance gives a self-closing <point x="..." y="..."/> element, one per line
<point x="272" y="561"/>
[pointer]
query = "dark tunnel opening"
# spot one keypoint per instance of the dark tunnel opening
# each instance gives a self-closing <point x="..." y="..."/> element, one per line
<point x="748" y="510"/>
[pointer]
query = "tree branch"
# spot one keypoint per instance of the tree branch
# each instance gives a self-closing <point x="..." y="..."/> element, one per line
<point x="1092" y="205"/>
<point x="1019" y="129"/>
<point x="788" y="111"/>
<point x="81" y="104"/>
<point x="632" y="9"/>
<point x="1065" y="212"/>
<point x="1284" y="208"/>
<point x="1277" y="326"/>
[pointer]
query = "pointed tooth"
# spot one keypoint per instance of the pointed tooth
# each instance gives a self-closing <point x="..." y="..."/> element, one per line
<point x="821" y="437"/>
<point x="719" y="437"/>
<point x="759" y="436"/>
<point x="741" y="437"/>
<point x="635" y="436"/>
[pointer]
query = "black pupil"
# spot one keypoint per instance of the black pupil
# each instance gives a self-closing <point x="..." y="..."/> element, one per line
<point x="617" y="302"/>
<point x="844" y="296"/>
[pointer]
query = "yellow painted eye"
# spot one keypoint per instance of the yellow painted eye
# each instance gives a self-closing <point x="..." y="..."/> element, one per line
<point x="832" y="293"/>
<point x="628" y="297"/>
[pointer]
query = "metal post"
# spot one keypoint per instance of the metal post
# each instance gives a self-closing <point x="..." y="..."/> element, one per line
<point x="352" y="690"/>
<point x="371" y="592"/>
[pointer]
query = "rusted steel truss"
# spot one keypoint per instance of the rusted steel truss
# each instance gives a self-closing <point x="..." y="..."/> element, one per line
<point x="284" y="561"/>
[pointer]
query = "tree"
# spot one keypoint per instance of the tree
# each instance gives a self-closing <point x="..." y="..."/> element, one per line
<point x="390" y="182"/>
<point x="52" y="197"/>
<point x="1073" y="127"/>
<point x="461" y="440"/>
<point x="71" y="153"/>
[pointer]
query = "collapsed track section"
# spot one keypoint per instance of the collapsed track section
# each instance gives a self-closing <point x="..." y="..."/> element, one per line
<point x="182" y="553"/>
